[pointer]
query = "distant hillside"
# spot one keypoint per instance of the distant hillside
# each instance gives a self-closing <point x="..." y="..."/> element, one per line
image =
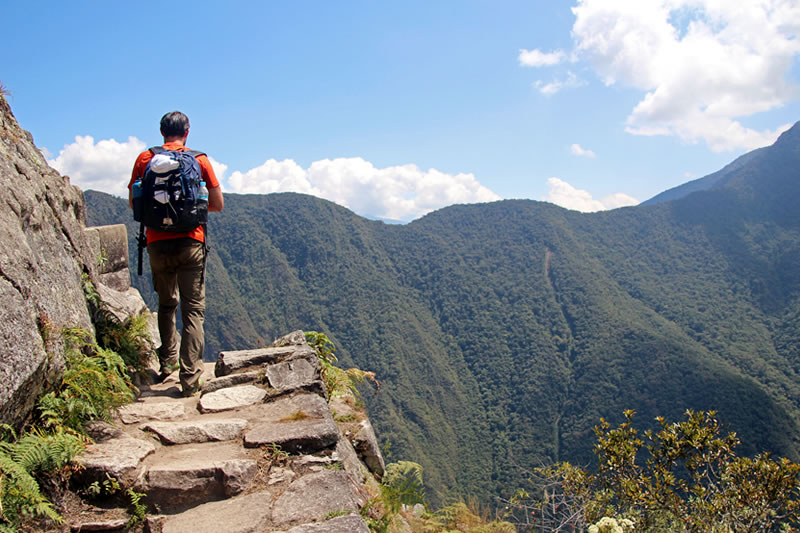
<point x="502" y="332"/>
<point x="717" y="178"/>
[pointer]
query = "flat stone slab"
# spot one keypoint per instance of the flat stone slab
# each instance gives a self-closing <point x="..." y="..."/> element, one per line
<point x="231" y="398"/>
<point x="136" y="413"/>
<point x="177" y="486"/>
<point x="198" y="430"/>
<point x="300" y="423"/>
<point x="119" y="458"/>
<point x="232" y="380"/>
<point x="243" y="514"/>
<point x="228" y="362"/>
<point x="343" y="524"/>
<point x="314" y="496"/>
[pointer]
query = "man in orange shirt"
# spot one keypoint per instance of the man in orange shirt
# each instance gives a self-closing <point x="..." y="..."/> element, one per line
<point x="177" y="262"/>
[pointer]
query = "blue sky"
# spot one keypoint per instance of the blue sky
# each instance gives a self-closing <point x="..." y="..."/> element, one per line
<point x="394" y="109"/>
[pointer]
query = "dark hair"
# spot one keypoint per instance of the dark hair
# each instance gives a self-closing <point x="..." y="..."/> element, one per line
<point x="174" y="124"/>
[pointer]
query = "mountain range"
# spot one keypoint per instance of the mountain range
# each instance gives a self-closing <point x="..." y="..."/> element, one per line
<point x="502" y="332"/>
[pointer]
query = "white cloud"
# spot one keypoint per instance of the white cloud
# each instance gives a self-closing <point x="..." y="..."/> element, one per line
<point x="103" y="166"/>
<point x="579" y="151"/>
<point x="272" y="176"/>
<point x="570" y="82"/>
<point x="703" y="64"/>
<point x="400" y="192"/>
<point x="537" y="58"/>
<point x="562" y="193"/>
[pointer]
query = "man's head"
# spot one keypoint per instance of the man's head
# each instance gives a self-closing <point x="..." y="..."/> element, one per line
<point x="174" y="124"/>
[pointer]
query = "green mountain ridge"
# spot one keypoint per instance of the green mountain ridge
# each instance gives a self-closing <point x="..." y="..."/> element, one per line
<point x="502" y="332"/>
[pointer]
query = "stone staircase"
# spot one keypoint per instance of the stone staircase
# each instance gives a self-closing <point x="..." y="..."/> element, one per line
<point x="261" y="449"/>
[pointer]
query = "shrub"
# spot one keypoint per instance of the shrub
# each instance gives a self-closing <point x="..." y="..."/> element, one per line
<point x="684" y="477"/>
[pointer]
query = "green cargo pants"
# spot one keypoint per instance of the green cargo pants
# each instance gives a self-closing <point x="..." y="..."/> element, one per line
<point x="177" y="267"/>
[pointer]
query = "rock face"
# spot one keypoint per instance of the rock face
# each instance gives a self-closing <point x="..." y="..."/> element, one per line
<point x="262" y="455"/>
<point x="45" y="253"/>
<point x="43" y="256"/>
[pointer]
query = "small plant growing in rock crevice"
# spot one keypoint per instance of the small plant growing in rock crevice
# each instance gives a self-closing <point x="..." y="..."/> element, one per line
<point x="338" y="382"/>
<point x="295" y="417"/>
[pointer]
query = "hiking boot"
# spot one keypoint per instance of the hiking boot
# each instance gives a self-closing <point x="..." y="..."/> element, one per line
<point x="192" y="391"/>
<point x="167" y="370"/>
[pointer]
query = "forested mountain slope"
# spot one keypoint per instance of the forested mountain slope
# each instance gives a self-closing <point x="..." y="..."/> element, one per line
<point x="502" y="332"/>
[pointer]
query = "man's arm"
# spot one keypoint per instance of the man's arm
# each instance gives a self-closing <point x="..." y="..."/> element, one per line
<point x="215" y="200"/>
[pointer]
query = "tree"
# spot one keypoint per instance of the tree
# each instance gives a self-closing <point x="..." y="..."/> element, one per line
<point x="685" y="476"/>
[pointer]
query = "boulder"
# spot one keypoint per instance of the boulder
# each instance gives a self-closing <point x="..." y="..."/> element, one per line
<point x="302" y="373"/>
<point x="366" y="444"/>
<point x="109" y="245"/>
<point x="295" y="338"/>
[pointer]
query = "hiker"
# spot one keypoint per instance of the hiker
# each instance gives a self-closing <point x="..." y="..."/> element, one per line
<point x="177" y="255"/>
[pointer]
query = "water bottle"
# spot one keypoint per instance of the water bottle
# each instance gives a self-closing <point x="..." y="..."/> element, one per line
<point x="202" y="202"/>
<point x="136" y="194"/>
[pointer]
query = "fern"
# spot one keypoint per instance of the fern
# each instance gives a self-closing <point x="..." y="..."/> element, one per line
<point x="338" y="382"/>
<point x="40" y="452"/>
<point x="92" y="386"/>
<point x="137" y="510"/>
<point x="402" y="485"/>
<point x="20" y="496"/>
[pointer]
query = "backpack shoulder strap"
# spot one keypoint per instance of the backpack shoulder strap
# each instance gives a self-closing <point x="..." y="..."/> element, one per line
<point x="195" y="153"/>
<point x="156" y="149"/>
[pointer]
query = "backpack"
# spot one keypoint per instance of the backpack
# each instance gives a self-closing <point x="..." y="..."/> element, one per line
<point x="168" y="196"/>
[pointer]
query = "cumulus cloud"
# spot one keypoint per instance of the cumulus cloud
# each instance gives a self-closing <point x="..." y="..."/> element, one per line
<point x="571" y="81"/>
<point x="403" y="192"/>
<point x="702" y="65"/>
<point x="562" y="193"/>
<point x="537" y="58"/>
<point x="579" y="151"/>
<point x="102" y="166"/>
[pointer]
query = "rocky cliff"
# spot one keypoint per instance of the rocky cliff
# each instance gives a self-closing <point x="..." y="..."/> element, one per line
<point x="43" y="255"/>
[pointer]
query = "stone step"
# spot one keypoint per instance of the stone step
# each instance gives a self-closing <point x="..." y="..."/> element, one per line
<point x="182" y="477"/>
<point x="231" y="398"/>
<point x="344" y="524"/>
<point x="198" y="430"/>
<point x="119" y="457"/>
<point x="299" y="424"/>
<point x="312" y="498"/>
<point x="147" y="411"/>
<point x="231" y="361"/>
<point x="250" y="513"/>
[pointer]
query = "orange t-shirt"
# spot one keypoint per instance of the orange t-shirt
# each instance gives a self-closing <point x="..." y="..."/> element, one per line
<point x="207" y="173"/>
